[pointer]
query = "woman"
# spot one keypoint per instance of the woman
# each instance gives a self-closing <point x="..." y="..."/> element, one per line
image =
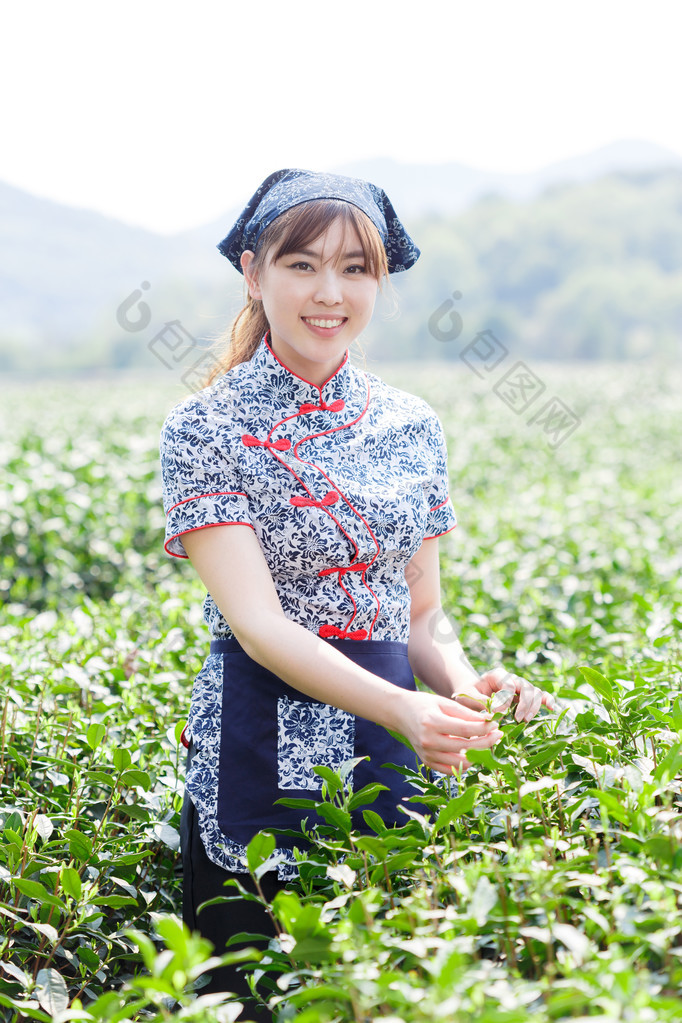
<point x="326" y="491"/>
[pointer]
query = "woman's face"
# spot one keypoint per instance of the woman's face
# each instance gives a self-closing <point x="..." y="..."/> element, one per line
<point x="317" y="301"/>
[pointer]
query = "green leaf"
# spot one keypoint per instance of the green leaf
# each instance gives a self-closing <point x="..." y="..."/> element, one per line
<point x="670" y="766"/>
<point x="660" y="849"/>
<point x="145" y="945"/>
<point x="313" y="948"/>
<point x="114" y="901"/>
<point x="483" y="900"/>
<point x="71" y="882"/>
<point x="287" y="908"/>
<point x="31" y="889"/>
<point x="80" y="846"/>
<point x="367" y="794"/>
<point x="135" y="778"/>
<point x="107" y="781"/>
<point x="48" y="930"/>
<point x="95" y="734"/>
<point x="121" y="759"/>
<point x="51" y="991"/>
<point x="611" y="805"/>
<point x="36" y="1014"/>
<point x="89" y="958"/>
<point x="317" y="993"/>
<point x="13" y="822"/>
<point x="172" y="930"/>
<point x="332" y="779"/>
<point x="128" y="858"/>
<point x="393" y="864"/>
<point x="259" y="850"/>
<point x="374" y="821"/>
<point x="334" y="815"/>
<point x="545" y="756"/>
<point x="400" y="738"/>
<point x="598" y="682"/>
<point x="298" y="804"/>
<point x="483" y="757"/>
<point x="44" y="826"/>
<point x="372" y="845"/>
<point x="677" y="714"/>
<point x="456" y="807"/>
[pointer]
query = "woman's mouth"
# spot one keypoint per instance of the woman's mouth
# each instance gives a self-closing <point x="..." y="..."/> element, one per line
<point x="324" y="326"/>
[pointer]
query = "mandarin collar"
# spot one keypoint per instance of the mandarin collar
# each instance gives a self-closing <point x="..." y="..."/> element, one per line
<point x="275" y="375"/>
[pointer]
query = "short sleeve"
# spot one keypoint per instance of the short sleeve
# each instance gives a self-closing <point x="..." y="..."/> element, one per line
<point x="441" y="516"/>
<point x="201" y="480"/>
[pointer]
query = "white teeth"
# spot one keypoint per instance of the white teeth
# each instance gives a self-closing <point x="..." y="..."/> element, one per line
<point x="323" y="323"/>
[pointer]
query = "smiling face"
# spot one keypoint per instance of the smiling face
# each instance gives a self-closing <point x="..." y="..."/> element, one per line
<point x="317" y="300"/>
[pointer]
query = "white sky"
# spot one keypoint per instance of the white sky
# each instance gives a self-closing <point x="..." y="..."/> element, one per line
<point x="166" y="113"/>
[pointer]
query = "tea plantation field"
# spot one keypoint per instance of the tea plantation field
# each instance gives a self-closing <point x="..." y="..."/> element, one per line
<point x="546" y="885"/>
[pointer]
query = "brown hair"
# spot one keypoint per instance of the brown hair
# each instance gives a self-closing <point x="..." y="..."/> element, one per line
<point x="289" y="233"/>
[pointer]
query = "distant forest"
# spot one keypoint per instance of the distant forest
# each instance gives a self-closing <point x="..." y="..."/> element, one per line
<point x="589" y="271"/>
<point x="583" y="271"/>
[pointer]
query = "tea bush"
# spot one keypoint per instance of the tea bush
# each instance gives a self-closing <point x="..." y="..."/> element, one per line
<point x="546" y="883"/>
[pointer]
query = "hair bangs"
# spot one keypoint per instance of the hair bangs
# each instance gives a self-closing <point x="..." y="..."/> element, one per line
<point x="303" y="224"/>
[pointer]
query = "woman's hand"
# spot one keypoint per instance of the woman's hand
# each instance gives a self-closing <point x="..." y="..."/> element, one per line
<point x="507" y="689"/>
<point x="440" y="731"/>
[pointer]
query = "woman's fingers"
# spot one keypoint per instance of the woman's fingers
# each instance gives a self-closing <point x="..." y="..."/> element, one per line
<point x="444" y="747"/>
<point x="502" y="700"/>
<point x="530" y="701"/>
<point x="441" y="731"/>
<point x="483" y="741"/>
<point x="452" y="725"/>
<point x="456" y="709"/>
<point x="507" y="688"/>
<point x="460" y="764"/>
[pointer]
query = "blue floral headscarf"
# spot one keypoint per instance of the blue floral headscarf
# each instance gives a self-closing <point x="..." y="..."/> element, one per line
<point x="286" y="188"/>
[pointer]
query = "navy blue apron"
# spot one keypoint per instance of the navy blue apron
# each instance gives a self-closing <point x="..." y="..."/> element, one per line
<point x="253" y="697"/>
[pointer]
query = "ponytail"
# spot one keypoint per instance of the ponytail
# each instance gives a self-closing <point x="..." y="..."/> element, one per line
<point x="239" y="342"/>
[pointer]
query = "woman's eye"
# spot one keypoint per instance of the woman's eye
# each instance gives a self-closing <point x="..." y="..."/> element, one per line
<point x="301" y="265"/>
<point x="356" y="268"/>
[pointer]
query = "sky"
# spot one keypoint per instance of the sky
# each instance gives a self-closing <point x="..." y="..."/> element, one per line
<point x="166" y="114"/>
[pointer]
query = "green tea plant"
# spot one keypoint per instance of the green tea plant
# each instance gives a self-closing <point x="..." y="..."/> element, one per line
<point x="547" y="885"/>
<point x="544" y="883"/>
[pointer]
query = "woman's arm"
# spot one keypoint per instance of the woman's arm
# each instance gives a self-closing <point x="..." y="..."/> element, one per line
<point x="436" y="654"/>
<point x="231" y="564"/>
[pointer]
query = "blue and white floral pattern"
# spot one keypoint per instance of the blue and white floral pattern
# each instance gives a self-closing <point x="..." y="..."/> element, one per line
<point x="311" y="735"/>
<point x="201" y="782"/>
<point x="290" y="187"/>
<point x="380" y="458"/>
<point x="341" y="484"/>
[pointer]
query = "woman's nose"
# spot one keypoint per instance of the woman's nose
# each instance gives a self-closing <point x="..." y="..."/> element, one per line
<point x="328" y="288"/>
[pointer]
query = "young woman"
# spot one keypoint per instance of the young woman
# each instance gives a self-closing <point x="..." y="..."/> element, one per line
<point x="325" y="491"/>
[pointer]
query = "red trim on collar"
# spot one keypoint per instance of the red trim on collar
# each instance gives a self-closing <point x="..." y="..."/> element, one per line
<point x="297" y="375"/>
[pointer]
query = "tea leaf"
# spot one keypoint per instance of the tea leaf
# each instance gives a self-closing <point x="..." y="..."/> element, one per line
<point x="51" y="991"/>
<point x="95" y="734"/>
<point x="598" y="682"/>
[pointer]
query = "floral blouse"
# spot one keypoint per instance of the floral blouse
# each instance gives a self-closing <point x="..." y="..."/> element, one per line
<point x="341" y="484"/>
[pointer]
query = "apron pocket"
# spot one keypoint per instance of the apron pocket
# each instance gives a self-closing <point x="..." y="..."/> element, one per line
<point x="311" y="735"/>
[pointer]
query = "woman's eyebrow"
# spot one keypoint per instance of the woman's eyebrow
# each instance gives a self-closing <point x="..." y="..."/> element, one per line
<point x="346" y="255"/>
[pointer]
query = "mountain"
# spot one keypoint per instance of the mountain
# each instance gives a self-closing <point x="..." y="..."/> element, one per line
<point x="417" y="189"/>
<point x="64" y="271"/>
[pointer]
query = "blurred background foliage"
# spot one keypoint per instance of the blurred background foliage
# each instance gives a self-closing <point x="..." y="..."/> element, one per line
<point x="586" y="270"/>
